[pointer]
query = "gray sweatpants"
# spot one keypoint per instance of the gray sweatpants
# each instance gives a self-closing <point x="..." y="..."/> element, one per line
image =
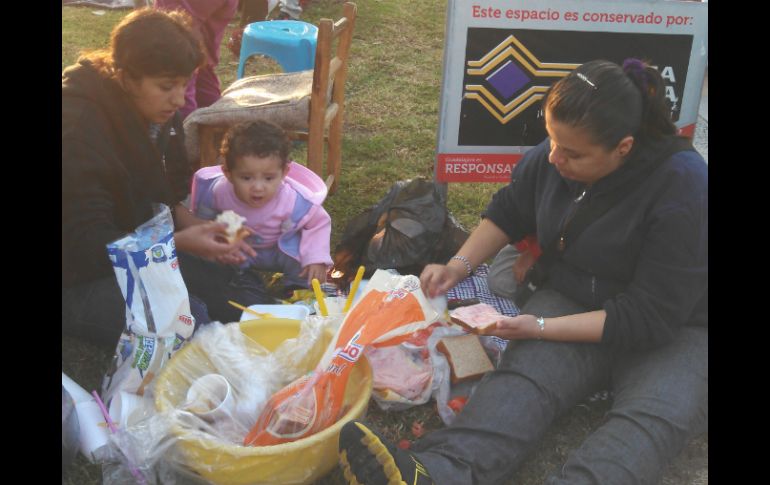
<point x="660" y="402"/>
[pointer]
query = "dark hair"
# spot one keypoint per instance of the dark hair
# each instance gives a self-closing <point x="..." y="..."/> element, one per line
<point x="611" y="102"/>
<point x="256" y="138"/>
<point x="151" y="42"/>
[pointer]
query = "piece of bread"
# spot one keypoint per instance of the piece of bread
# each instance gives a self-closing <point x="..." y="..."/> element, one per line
<point x="467" y="358"/>
<point x="235" y="229"/>
<point x="476" y="318"/>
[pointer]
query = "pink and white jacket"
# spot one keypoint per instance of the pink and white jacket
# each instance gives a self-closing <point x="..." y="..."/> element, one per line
<point x="293" y="219"/>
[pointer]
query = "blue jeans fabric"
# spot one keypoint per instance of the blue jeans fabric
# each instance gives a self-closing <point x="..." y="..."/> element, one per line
<point x="96" y="311"/>
<point x="660" y="402"/>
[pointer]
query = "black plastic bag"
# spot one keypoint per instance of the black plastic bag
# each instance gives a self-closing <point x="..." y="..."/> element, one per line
<point x="409" y="228"/>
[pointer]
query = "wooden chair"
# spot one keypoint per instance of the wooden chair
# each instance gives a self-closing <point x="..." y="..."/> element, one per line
<point x="327" y="104"/>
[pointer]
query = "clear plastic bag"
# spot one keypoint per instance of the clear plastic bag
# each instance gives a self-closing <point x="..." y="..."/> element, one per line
<point x="402" y="374"/>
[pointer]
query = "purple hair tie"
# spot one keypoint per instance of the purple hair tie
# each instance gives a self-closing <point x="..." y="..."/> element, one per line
<point x="637" y="70"/>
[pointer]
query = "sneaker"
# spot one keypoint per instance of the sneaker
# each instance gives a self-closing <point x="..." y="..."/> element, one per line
<point x="366" y="458"/>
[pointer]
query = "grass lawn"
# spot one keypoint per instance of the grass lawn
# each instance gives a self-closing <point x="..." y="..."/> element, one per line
<point x="391" y="122"/>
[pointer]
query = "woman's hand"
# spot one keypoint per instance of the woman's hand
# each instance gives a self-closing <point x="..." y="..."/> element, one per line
<point x="520" y="327"/>
<point x="317" y="271"/>
<point x="208" y="240"/>
<point x="437" y="279"/>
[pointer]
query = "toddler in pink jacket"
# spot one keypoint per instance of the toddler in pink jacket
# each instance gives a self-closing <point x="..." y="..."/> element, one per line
<point x="281" y="201"/>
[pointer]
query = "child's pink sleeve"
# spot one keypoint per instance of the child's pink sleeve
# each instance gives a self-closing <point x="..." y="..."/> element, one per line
<point x="314" y="245"/>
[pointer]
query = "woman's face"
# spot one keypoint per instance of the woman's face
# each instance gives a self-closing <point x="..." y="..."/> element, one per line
<point x="577" y="158"/>
<point x="156" y="98"/>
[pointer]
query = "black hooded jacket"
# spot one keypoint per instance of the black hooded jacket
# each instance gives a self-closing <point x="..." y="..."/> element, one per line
<point x="644" y="261"/>
<point x="112" y="172"/>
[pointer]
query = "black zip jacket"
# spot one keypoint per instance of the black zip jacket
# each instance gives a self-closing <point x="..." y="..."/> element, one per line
<point x="112" y="172"/>
<point x="644" y="261"/>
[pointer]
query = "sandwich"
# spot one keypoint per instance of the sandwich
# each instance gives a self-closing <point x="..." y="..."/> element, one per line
<point x="476" y="318"/>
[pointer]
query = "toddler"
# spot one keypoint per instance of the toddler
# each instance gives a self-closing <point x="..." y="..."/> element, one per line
<point x="281" y="201"/>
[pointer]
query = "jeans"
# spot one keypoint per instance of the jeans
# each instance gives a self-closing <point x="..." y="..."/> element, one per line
<point x="96" y="311"/>
<point x="660" y="403"/>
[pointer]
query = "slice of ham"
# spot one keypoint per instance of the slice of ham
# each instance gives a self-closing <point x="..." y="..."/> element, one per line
<point x="475" y="317"/>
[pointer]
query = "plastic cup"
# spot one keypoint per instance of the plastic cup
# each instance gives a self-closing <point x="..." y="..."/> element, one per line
<point x="210" y="397"/>
<point x="334" y="304"/>
<point x="126" y="409"/>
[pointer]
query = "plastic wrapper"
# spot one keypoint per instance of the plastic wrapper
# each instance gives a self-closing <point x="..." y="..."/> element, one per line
<point x="402" y="374"/>
<point x="158" y="317"/>
<point x="391" y="308"/>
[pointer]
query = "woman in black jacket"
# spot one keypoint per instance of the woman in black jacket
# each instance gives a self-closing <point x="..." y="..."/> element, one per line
<point x="123" y="151"/>
<point x="620" y="205"/>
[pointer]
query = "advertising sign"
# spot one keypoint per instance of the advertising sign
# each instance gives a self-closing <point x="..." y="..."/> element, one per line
<point x="501" y="56"/>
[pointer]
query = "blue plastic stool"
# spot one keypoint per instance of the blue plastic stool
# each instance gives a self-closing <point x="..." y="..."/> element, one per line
<point x="290" y="42"/>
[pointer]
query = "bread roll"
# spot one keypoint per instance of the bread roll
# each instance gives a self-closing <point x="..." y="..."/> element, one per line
<point x="235" y="229"/>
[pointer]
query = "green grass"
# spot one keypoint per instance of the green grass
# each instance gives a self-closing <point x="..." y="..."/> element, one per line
<point x="391" y="120"/>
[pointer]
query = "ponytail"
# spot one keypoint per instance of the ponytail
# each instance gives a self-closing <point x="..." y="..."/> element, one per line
<point x="656" y="119"/>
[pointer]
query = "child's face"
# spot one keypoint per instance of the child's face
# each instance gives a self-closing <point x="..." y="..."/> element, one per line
<point x="256" y="180"/>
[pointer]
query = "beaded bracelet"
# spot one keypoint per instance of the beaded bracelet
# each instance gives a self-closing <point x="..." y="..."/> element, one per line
<point x="468" y="268"/>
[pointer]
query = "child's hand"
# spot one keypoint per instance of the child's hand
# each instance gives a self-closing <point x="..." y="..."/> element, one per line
<point x="314" y="271"/>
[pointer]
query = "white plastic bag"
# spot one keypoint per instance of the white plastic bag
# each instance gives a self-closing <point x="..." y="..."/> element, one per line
<point x="158" y="318"/>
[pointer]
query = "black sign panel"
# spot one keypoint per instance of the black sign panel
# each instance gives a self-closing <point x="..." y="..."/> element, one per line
<point x="507" y="73"/>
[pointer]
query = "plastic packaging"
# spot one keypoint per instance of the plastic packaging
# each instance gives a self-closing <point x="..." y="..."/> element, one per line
<point x="391" y="308"/>
<point x="199" y="445"/>
<point x="158" y="317"/>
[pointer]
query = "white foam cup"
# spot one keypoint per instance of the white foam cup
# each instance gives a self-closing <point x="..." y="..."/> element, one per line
<point x="210" y="397"/>
<point x="127" y="409"/>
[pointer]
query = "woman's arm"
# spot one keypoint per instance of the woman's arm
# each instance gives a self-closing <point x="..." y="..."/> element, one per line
<point x="485" y="241"/>
<point x="580" y="327"/>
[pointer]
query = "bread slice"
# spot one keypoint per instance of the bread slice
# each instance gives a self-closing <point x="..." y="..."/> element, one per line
<point x="234" y="222"/>
<point x="476" y="318"/>
<point x="467" y="358"/>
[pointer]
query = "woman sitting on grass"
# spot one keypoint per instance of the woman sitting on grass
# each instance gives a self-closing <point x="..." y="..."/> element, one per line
<point x="122" y="152"/>
<point x="624" y="305"/>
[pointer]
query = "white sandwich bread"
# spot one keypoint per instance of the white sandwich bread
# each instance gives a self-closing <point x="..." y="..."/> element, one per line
<point x="467" y="358"/>
<point x="476" y="318"/>
<point x="235" y="229"/>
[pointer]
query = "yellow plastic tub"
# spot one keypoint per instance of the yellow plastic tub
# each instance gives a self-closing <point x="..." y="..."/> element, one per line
<point x="300" y="462"/>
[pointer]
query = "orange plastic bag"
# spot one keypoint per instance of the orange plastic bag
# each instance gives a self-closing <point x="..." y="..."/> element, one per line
<point x="391" y="308"/>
